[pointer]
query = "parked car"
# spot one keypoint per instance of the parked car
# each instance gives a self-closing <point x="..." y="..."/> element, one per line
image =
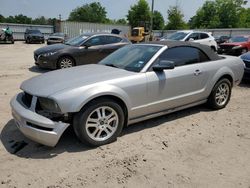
<point x="33" y="35"/>
<point x="135" y="83"/>
<point x="84" y="49"/>
<point x="193" y="36"/>
<point x="246" y="58"/>
<point x="236" y="45"/>
<point x="56" y="38"/>
<point x="221" y="39"/>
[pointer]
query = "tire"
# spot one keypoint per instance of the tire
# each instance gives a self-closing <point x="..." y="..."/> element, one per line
<point x="100" y="132"/>
<point x="65" y="62"/>
<point x="220" y="95"/>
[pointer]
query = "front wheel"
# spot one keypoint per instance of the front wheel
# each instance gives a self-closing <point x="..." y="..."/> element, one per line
<point x="220" y="94"/>
<point x="65" y="62"/>
<point x="99" y="123"/>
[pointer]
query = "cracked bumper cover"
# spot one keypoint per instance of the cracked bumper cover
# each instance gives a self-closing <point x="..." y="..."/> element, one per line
<point x="46" y="131"/>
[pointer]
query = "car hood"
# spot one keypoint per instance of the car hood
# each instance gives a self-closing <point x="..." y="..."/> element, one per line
<point x="53" y="82"/>
<point x="51" y="48"/>
<point x="232" y="44"/>
<point x="246" y="56"/>
<point x="55" y="37"/>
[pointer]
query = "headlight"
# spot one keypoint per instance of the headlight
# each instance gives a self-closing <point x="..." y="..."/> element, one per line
<point x="49" y="54"/>
<point x="237" y="47"/>
<point x="49" y="105"/>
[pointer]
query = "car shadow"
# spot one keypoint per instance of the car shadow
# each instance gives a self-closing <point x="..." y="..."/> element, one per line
<point x="16" y="143"/>
<point x="36" y="69"/>
<point x="245" y="83"/>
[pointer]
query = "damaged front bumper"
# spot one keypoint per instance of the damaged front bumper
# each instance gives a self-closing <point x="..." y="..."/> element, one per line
<point x="35" y="126"/>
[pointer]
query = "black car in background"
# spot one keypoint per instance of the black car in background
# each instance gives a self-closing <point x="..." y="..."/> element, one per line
<point x="33" y="35"/>
<point x="84" y="49"/>
<point x="221" y="39"/>
<point x="56" y="38"/>
<point x="246" y="58"/>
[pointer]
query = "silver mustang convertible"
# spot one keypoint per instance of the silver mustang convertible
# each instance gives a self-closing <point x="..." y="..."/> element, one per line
<point x="135" y="83"/>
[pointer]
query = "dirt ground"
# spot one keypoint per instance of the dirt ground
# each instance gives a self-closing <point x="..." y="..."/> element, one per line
<point x="196" y="147"/>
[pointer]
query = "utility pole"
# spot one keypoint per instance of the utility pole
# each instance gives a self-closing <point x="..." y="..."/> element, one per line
<point x="152" y="13"/>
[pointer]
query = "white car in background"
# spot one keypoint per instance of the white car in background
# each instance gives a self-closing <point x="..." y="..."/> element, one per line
<point x="193" y="36"/>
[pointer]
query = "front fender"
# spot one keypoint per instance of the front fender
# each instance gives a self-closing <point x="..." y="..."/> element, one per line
<point x="73" y="100"/>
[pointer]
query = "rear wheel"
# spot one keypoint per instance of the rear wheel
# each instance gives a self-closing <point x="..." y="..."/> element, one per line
<point x="65" y="62"/>
<point x="99" y="123"/>
<point x="220" y="95"/>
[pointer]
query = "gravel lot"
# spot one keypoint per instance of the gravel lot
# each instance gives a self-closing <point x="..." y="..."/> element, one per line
<point x="196" y="147"/>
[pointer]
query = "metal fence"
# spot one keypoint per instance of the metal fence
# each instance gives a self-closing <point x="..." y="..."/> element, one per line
<point x="73" y="29"/>
<point x="215" y="32"/>
<point x="19" y="29"/>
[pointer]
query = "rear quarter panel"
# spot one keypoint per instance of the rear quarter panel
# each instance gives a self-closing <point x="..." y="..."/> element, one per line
<point x="214" y="70"/>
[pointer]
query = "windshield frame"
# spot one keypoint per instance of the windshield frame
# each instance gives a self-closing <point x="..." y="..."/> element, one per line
<point x="144" y="68"/>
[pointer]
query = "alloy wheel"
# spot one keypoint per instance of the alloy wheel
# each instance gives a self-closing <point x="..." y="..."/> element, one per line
<point x="102" y="123"/>
<point x="222" y="94"/>
<point x="66" y="63"/>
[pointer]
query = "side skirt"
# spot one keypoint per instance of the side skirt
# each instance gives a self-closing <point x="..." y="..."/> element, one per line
<point x="150" y="116"/>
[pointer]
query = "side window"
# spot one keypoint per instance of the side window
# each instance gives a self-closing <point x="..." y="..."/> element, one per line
<point x="112" y="39"/>
<point x="99" y="40"/>
<point x="204" y="36"/>
<point x="183" y="56"/>
<point x="195" y="36"/>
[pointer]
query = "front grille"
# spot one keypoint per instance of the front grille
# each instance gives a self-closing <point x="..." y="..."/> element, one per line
<point x="247" y="63"/>
<point x="226" y="47"/>
<point x="27" y="99"/>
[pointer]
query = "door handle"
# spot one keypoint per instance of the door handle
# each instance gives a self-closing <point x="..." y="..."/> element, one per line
<point x="197" y="72"/>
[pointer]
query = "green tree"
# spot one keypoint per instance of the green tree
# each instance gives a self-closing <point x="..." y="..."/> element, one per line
<point x="2" y="19"/>
<point x="122" y="21"/>
<point x="139" y="14"/>
<point x="220" y="14"/>
<point x="158" y="21"/>
<point x="93" y="12"/>
<point x="21" y="19"/>
<point x="40" y="21"/>
<point x="206" y="17"/>
<point x="175" y="19"/>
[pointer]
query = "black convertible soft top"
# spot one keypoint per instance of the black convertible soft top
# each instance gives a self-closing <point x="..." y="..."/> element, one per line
<point x="206" y="49"/>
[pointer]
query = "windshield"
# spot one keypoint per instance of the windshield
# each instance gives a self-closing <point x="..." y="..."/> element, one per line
<point x="238" y="39"/>
<point x="58" y="34"/>
<point x="34" y="31"/>
<point x="131" y="57"/>
<point x="77" y="41"/>
<point x="177" y="36"/>
<point x="135" y="32"/>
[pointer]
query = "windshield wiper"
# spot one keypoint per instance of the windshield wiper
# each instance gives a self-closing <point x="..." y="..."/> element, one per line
<point x="112" y="65"/>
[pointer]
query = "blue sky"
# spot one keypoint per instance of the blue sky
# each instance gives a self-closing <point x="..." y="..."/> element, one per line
<point x="115" y="8"/>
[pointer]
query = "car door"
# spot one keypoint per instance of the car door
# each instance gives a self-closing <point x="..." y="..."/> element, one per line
<point x="183" y="85"/>
<point x="112" y="43"/>
<point x="193" y="37"/>
<point x="89" y="52"/>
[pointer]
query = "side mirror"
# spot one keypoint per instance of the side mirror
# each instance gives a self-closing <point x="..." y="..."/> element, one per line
<point x="164" y="64"/>
<point x="87" y="45"/>
<point x="191" y="40"/>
